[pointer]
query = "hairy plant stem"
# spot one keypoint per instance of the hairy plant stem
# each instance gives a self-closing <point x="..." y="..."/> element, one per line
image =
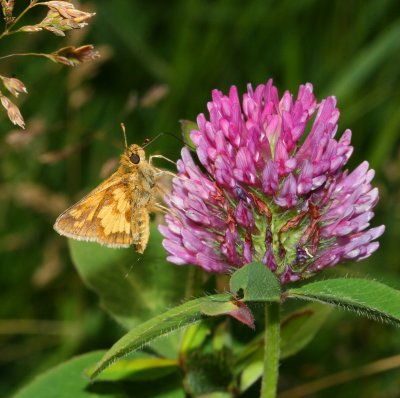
<point x="271" y="351"/>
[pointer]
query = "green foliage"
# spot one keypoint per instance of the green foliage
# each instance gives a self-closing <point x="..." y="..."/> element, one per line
<point x="144" y="367"/>
<point x="194" y="337"/>
<point x="68" y="380"/>
<point x="187" y="126"/>
<point x="65" y="381"/>
<point x="349" y="49"/>
<point x="256" y="283"/>
<point x="300" y="327"/>
<point x="161" y="325"/>
<point x="362" y="296"/>
<point x="207" y="373"/>
<point x="131" y="287"/>
<point x="367" y="61"/>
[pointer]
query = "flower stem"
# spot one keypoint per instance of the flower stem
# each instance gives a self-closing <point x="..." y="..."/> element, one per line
<point x="271" y="351"/>
<point x="8" y="30"/>
<point x="25" y="55"/>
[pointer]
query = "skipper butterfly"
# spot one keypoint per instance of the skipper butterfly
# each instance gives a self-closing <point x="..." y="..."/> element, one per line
<point x="116" y="213"/>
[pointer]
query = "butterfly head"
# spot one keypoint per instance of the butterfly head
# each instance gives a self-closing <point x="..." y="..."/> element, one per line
<point x="133" y="156"/>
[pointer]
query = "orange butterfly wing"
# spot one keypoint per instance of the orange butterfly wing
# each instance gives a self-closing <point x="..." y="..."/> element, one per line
<point x="103" y="216"/>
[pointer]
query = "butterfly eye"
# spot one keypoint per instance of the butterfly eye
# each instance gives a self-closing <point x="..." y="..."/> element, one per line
<point x="134" y="158"/>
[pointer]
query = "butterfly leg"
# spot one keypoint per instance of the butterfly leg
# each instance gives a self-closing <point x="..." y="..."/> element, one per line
<point x="160" y="173"/>
<point x="166" y="172"/>
<point x="158" y="207"/>
<point x="160" y="157"/>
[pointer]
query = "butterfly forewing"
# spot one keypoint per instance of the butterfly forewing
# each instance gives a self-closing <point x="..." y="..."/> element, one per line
<point x="103" y="216"/>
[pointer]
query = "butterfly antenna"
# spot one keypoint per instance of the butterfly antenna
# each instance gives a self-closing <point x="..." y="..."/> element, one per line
<point x="161" y="134"/>
<point x="124" y="133"/>
<point x="148" y="142"/>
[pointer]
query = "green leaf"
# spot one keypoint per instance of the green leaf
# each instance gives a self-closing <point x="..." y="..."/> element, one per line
<point x="365" y="297"/>
<point x="214" y="308"/>
<point x="236" y="309"/>
<point x="122" y="380"/>
<point x="257" y="282"/>
<point x="251" y="373"/>
<point x="300" y="327"/>
<point x="174" y="319"/>
<point x="194" y="337"/>
<point x="66" y="380"/>
<point x="143" y="368"/>
<point x="187" y="126"/>
<point x="131" y="287"/>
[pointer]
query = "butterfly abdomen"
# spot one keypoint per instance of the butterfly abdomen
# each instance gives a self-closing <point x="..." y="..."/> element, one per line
<point x="140" y="228"/>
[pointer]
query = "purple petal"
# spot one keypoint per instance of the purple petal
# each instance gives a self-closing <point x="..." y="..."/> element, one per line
<point x="270" y="181"/>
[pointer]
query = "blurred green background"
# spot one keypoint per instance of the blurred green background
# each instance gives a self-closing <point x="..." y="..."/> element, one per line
<point x="160" y="60"/>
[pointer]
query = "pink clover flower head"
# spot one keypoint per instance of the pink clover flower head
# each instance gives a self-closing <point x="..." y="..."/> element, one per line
<point x="268" y="191"/>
